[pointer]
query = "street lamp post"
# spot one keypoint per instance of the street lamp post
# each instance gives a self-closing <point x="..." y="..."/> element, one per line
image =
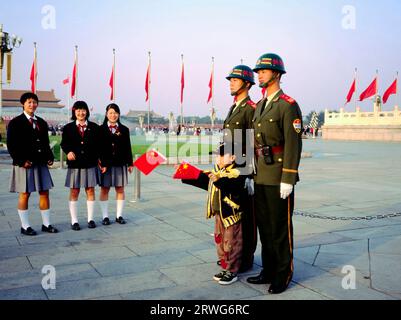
<point x="7" y="44"/>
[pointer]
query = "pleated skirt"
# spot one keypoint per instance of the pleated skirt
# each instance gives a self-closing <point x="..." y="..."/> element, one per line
<point x="114" y="177"/>
<point x="34" y="179"/>
<point x="82" y="177"/>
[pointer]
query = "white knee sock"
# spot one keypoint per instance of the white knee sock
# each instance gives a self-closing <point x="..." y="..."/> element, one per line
<point x="24" y="217"/>
<point x="120" y="207"/>
<point x="91" y="209"/>
<point x="104" y="207"/>
<point x="74" y="211"/>
<point x="45" y="217"/>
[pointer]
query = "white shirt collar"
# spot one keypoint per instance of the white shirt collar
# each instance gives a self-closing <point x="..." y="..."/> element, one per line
<point x="237" y="103"/>
<point x="77" y="122"/>
<point x="29" y="117"/>
<point x="270" y="97"/>
<point x="109" y="124"/>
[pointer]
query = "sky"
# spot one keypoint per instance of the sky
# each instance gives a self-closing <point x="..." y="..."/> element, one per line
<point x="320" y="42"/>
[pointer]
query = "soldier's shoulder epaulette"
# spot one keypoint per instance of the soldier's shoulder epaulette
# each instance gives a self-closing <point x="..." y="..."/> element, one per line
<point x="251" y="103"/>
<point x="287" y="98"/>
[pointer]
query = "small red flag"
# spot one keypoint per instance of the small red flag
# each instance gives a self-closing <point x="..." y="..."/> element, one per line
<point x="66" y="80"/>
<point x="211" y="87"/>
<point x="74" y="76"/>
<point x="182" y="83"/>
<point x="147" y="162"/>
<point x="370" y="91"/>
<point x="111" y="84"/>
<point x="351" y="91"/>
<point x="187" y="171"/>
<point x="392" y="89"/>
<point x="147" y="83"/>
<point x="33" y="78"/>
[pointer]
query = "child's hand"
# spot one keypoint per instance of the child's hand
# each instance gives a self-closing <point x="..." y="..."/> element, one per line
<point x="213" y="177"/>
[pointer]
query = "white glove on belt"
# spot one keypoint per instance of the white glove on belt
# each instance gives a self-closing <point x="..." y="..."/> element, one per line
<point x="250" y="186"/>
<point x="285" y="190"/>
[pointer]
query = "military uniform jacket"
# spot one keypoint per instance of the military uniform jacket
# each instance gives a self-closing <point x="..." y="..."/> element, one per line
<point x="86" y="148"/>
<point x="279" y="124"/>
<point x="115" y="149"/>
<point x="26" y="143"/>
<point x="228" y="189"/>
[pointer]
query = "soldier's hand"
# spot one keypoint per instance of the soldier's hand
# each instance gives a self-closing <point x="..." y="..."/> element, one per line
<point x="285" y="190"/>
<point x="71" y="156"/>
<point x="27" y="164"/>
<point x="249" y="185"/>
<point x="213" y="177"/>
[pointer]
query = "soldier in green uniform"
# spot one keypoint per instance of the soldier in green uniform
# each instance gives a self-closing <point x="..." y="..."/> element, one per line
<point x="277" y="123"/>
<point x="238" y="127"/>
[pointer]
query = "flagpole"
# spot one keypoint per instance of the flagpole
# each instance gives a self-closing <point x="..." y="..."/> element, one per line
<point x="355" y="95"/>
<point x="396" y="90"/>
<point x="114" y="75"/>
<point x="35" y="74"/>
<point x="181" y="98"/>
<point x="149" y="67"/>
<point x="68" y="99"/>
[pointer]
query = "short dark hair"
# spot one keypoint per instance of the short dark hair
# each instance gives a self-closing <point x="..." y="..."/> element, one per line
<point x="28" y="95"/>
<point x="116" y="108"/>
<point x="80" y="105"/>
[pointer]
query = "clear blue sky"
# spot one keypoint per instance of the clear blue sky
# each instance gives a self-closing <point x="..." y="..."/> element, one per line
<point x="319" y="53"/>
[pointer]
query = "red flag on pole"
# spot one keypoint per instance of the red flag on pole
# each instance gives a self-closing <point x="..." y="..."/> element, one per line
<point x="370" y="91"/>
<point x="392" y="89"/>
<point x="66" y="80"/>
<point x="182" y="82"/>
<point x="351" y="91"/>
<point x="147" y="83"/>
<point x="34" y="72"/>
<point x="74" y="76"/>
<point x="211" y="87"/>
<point x="111" y="84"/>
<point x="147" y="162"/>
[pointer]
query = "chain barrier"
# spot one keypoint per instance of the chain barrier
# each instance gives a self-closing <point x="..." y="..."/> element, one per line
<point x="317" y="216"/>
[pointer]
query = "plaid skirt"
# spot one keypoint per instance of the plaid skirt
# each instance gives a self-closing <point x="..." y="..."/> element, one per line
<point x="34" y="179"/>
<point x="114" y="177"/>
<point x="82" y="177"/>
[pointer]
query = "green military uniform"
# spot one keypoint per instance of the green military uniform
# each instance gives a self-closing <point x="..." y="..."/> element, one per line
<point x="240" y="118"/>
<point x="277" y="125"/>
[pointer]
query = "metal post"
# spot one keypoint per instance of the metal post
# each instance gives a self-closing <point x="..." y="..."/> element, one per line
<point x="137" y="184"/>
<point x="61" y="158"/>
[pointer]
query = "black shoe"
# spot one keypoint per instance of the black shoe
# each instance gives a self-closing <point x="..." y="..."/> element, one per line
<point x="259" y="279"/>
<point x="29" y="231"/>
<point x="91" y="224"/>
<point x="75" y="226"/>
<point x="120" y="220"/>
<point x="276" y="289"/>
<point x="49" y="229"/>
<point x="106" y="221"/>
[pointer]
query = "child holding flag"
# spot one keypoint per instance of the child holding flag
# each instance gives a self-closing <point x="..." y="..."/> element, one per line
<point x="225" y="186"/>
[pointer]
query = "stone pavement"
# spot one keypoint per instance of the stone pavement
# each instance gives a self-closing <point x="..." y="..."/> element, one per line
<point x="166" y="250"/>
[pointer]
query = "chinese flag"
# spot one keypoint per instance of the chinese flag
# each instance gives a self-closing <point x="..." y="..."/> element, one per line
<point x="351" y="91"/>
<point x="187" y="171"/>
<point x="66" y="80"/>
<point x="392" y="89"/>
<point x="74" y="79"/>
<point x="211" y="87"/>
<point x="370" y="91"/>
<point x="147" y="83"/>
<point x="182" y="83"/>
<point x="147" y="162"/>
<point x="111" y="84"/>
<point x="33" y="76"/>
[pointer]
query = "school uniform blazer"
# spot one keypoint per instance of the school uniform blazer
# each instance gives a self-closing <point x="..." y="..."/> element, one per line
<point x="115" y="149"/>
<point x="86" y="148"/>
<point x="25" y="143"/>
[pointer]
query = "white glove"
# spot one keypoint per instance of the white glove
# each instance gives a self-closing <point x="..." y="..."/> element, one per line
<point x="250" y="186"/>
<point x="285" y="190"/>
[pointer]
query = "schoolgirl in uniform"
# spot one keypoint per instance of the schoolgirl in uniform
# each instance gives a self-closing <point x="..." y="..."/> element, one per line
<point x="80" y="142"/>
<point x="115" y="160"/>
<point x="28" y="145"/>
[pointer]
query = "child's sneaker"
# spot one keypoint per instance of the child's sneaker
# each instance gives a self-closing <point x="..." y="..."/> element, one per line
<point x="220" y="275"/>
<point x="228" y="278"/>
